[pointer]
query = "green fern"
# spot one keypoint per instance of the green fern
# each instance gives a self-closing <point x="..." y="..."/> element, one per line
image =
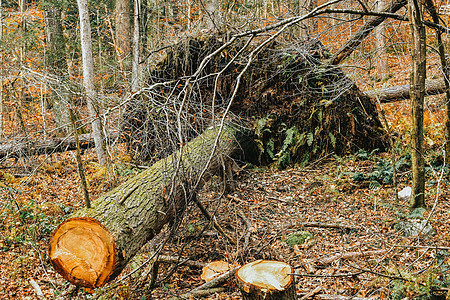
<point x="332" y="139"/>
<point x="309" y="138"/>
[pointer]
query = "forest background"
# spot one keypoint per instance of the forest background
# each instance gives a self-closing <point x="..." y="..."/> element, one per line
<point x="51" y="95"/>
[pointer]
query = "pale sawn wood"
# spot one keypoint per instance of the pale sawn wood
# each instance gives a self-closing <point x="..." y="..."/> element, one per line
<point x="266" y="279"/>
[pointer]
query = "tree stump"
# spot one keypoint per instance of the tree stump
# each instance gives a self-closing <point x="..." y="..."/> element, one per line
<point x="266" y="279"/>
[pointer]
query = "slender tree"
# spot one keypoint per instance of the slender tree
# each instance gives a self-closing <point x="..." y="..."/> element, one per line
<point x="445" y="70"/>
<point x="310" y="26"/>
<point x="213" y="15"/>
<point x="56" y="64"/>
<point x="123" y="28"/>
<point x="417" y="92"/>
<point x="88" y="79"/>
<point x="380" y="42"/>
<point x="1" y="74"/>
<point x="135" y="81"/>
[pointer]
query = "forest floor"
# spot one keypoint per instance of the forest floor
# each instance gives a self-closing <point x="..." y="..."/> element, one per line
<point x="272" y="214"/>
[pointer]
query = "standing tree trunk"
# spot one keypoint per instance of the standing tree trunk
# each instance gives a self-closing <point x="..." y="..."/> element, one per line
<point x="445" y="70"/>
<point x="21" y="94"/>
<point x="94" y="245"/>
<point x="88" y="78"/>
<point x="309" y="26"/>
<point x="1" y="73"/>
<point x="213" y="15"/>
<point x="380" y="44"/>
<point x="417" y="92"/>
<point x="56" y="64"/>
<point x="135" y="74"/>
<point x="123" y="28"/>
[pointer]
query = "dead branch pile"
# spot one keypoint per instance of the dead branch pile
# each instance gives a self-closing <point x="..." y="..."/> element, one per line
<point x="298" y="107"/>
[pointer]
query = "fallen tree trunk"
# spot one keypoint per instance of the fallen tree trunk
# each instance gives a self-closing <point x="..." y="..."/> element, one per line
<point x="22" y="148"/>
<point x="401" y="92"/>
<point x="94" y="245"/>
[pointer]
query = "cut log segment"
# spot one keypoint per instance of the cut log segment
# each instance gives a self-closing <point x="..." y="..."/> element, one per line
<point x="83" y="251"/>
<point x="266" y="279"/>
<point x="94" y="245"/>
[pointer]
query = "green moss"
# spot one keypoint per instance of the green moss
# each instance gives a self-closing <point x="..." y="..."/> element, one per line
<point x="298" y="238"/>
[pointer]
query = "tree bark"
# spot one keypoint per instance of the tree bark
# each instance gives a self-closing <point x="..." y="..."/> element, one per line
<point x="417" y="82"/>
<point x="135" y="74"/>
<point x="357" y="38"/>
<point x="268" y="280"/>
<point x="380" y="42"/>
<point x="123" y="220"/>
<point x="88" y="79"/>
<point x="1" y="73"/>
<point x="123" y="28"/>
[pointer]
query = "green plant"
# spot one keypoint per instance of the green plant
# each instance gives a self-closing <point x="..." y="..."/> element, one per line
<point x="383" y="171"/>
<point x="278" y="143"/>
<point x="430" y="284"/>
<point x="298" y="238"/>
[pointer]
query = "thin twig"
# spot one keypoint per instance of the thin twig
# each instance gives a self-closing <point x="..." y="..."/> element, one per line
<point x="327" y="225"/>
<point x="329" y="275"/>
<point x="200" y="293"/>
<point x="249" y="231"/>
<point x="437" y="197"/>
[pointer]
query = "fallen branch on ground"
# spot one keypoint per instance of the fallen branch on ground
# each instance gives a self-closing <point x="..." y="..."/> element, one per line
<point x="312" y="293"/>
<point x="180" y="261"/>
<point x="401" y="92"/>
<point x="337" y="297"/>
<point x="325" y="225"/>
<point x="200" y="293"/>
<point x="17" y="149"/>
<point x="216" y="281"/>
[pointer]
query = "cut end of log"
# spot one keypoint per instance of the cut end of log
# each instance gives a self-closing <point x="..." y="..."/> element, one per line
<point x="261" y="278"/>
<point x="83" y="252"/>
